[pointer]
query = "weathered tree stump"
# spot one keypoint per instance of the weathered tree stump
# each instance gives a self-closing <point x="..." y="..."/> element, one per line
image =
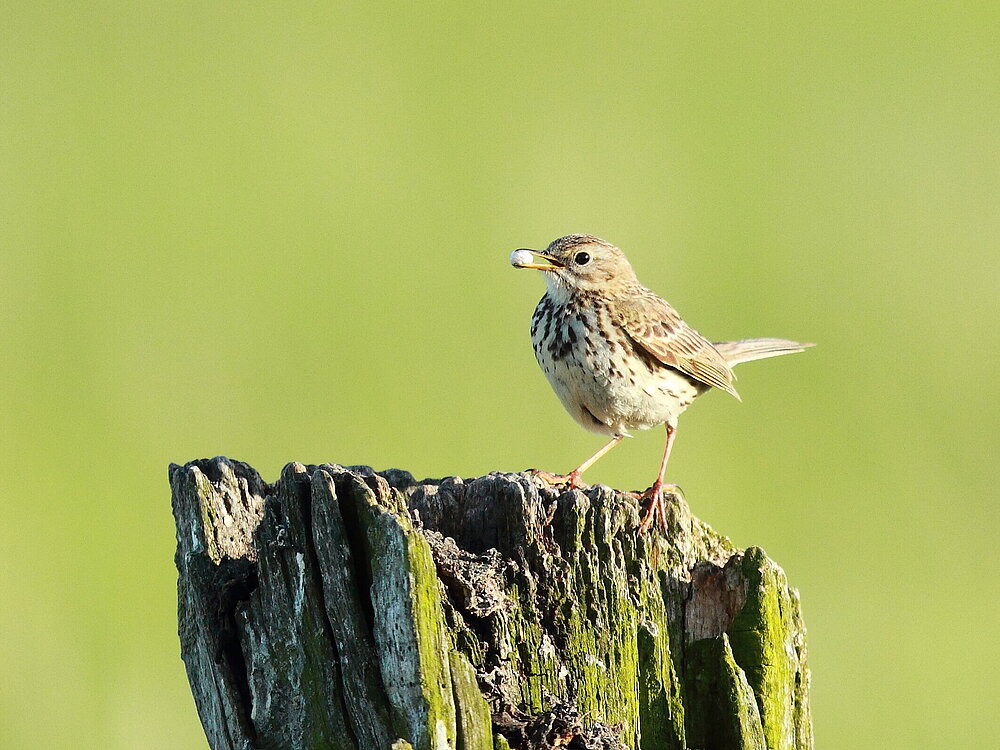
<point x="346" y="608"/>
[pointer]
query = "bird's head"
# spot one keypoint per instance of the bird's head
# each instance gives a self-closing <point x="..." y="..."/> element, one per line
<point x="578" y="263"/>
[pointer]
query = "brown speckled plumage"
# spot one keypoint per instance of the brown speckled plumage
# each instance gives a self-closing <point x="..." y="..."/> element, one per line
<point x="618" y="356"/>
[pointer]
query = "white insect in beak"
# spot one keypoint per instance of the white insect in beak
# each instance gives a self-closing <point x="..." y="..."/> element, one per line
<point x="520" y="258"/>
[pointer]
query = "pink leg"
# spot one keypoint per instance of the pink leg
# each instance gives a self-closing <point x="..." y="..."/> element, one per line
<point x="573" y="478"/>
<point x="655" y="493"/>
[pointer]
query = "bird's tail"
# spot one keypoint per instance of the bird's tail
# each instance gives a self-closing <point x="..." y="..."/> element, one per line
<point x="748" y="350"/>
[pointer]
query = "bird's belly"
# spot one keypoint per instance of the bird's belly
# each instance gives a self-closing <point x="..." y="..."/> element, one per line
<point x="612" y="395"/>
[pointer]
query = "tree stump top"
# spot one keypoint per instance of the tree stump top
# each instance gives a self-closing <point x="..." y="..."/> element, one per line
<point x="341" y="607"/>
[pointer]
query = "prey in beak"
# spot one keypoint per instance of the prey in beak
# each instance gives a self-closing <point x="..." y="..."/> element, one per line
<point x="525" y="258"/>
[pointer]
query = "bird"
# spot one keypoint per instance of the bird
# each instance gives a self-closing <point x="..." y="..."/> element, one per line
<point x="619" y="357"/>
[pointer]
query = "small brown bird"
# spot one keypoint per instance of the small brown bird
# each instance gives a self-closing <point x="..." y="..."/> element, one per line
<point x="619" y="357"/>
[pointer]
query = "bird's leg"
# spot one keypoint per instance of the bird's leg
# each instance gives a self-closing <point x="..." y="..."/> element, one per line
<point x="655" y="493"/>
<point x="573" y="478"/>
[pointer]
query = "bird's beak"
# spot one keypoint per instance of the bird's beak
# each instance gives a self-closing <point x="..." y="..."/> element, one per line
<point x="522" y="259"/>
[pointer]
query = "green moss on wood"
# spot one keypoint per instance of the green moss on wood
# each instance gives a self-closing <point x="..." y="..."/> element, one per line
<point x="762" y="636"/>
<point x="603" y="620"/>
<point x="209" y="519"/>
<point x="433" y="643"/>
<point x="660" y="703"/>
<point x="410" y="632"/>
<point x="475" y="725"/>
<point x="587" y="622"/>
<point x="722" y="710"/>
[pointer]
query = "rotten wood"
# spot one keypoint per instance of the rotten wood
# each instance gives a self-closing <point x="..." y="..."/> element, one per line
<point x="341" y="607"/>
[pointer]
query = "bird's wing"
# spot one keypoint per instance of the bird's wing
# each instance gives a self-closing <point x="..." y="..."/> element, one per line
<point x="655" y="326"/>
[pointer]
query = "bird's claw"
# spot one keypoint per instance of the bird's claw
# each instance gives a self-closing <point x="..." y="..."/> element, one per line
<point x="657" y="508"/>
<point x="571" y="480"/>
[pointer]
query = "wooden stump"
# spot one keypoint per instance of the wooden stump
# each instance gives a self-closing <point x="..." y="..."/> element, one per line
<point x="345" y="608"/>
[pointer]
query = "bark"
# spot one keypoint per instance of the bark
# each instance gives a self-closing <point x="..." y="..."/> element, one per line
<point x="344" y="608"/>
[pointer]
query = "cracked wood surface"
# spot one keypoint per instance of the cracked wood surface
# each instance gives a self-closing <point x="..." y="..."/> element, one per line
<point x="345" y="608"/>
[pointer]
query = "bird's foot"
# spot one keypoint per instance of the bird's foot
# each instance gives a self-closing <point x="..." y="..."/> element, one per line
<point x="571" y="480"/>
<point x="657" y="508"/>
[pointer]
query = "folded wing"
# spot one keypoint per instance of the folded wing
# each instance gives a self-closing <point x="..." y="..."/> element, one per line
<point x="654" y="326"/>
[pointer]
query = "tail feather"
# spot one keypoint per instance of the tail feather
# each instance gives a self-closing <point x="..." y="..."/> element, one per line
<point x="747" y="350"/>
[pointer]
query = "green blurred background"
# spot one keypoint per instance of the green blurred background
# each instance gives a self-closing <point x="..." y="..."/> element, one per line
<point x="280" y="232"/>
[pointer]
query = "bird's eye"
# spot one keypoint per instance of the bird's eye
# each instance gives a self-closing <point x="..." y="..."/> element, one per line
<point x="582" y="259"/>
